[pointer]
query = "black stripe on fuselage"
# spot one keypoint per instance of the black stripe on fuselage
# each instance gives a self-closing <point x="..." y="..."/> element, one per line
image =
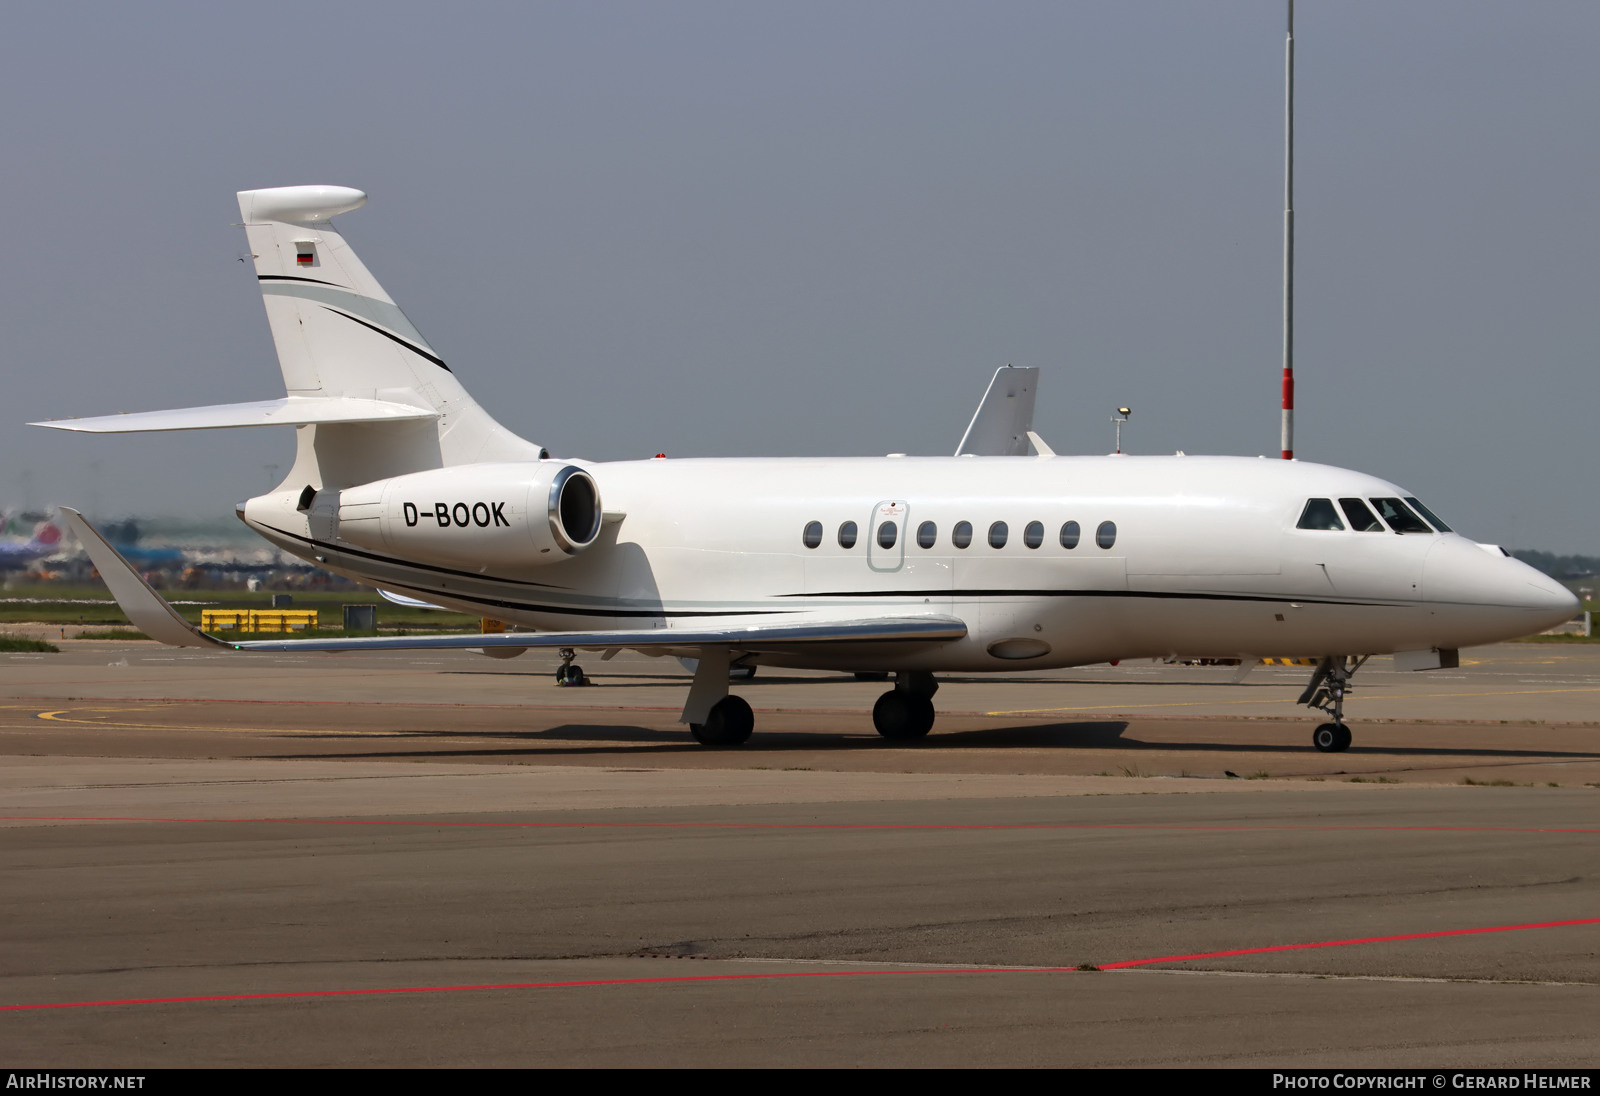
<point x="1176" y="595"/>
<point x="526" y="606"/>
<point x="379" y="558"/>
<point x="435" y="359"/>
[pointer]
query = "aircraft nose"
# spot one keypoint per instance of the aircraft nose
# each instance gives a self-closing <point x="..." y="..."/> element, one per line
<point x="1463" y="573"/>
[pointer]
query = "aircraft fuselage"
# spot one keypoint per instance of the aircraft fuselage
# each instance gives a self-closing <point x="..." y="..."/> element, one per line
<point x="1172" y="556"/>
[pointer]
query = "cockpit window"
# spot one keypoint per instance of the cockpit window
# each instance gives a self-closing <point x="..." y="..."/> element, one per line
<point x="1320" y="514"/>
<point x="1400" y="517"/>
<point x="1430" y="515"/>
<point x="1361" y="519"/>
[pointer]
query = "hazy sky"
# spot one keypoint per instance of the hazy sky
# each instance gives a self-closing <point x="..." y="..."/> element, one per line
<point x="811" y="228"/>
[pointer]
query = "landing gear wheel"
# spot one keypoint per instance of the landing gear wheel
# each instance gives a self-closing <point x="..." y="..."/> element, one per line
<point x="729" y="723"/>
<point x="902" y="715"/>
<point x="570" y="675"/>
<point x="1331" y="738"/>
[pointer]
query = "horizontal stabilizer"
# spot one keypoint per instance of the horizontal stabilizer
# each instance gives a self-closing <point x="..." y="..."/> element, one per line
<point x="146" y="609"/>
<point x="290" y="411"/>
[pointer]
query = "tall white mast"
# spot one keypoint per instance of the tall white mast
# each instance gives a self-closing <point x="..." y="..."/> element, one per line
<point x="1288" y="240"/>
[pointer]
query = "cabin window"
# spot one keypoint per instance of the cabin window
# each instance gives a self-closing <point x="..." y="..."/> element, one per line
<point x="1069" y="535"/>
<point x="1106" y="535"/>
<point x="813" y="534"/>
<point x="847" y="535"/>
<point x="927" y="534"/>
<point x="997" y="534"/>
<point x="1033" y="535"/>
<point x="1430" y="515"/>
<point x="1361" y="519"/>
<point x="887" y="532"/>
<point x="1400" y="517"/>
<point x="961" y="535"/>
<point x="1320" y="514"/>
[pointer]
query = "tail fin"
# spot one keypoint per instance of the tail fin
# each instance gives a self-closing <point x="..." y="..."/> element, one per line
<point x="339" y="335"/>
<point x="369" y="397"/>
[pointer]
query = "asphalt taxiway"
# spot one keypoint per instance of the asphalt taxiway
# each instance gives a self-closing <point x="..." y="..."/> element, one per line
<point x="218" y="859"/>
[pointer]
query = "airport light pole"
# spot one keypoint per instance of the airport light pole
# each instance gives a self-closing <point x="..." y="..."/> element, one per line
<point x="1288" y="239"/>
<point x="1119" y="418"/>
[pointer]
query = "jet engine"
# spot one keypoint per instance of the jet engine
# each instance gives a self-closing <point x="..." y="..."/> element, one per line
<point x="477" y="515"/>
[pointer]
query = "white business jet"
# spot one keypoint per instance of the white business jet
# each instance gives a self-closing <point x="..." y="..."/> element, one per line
<point x="1015" y="559"/>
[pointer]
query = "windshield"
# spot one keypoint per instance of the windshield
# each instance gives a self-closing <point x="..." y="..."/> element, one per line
<point x="1433" y="519"/>
<point x="1400" y="516"/>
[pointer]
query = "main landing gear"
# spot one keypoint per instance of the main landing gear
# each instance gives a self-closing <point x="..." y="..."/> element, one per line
<point x="906" y="711"/>
<point x="1329" y="686"/>
<point x="717" y="718"/>
<point x="729" y="723"/>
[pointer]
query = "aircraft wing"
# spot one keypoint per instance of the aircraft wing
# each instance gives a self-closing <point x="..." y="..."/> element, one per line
<point x="151" y="614"/>
<point x="774" y="635"/>
<point x="1003" y="421"/>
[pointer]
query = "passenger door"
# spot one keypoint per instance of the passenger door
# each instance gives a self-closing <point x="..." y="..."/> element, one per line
<point x="886" y="537"/>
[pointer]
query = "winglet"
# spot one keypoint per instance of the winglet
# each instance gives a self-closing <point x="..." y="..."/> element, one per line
<point x="148" y="611"/>
<point x="1001" y="425"/>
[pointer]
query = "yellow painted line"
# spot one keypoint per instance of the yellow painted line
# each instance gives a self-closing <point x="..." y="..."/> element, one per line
<point x="60" y="717"/>
<point x="1361" y="700"/>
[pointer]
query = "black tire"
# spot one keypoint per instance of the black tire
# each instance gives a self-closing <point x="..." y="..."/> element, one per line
<point x="1331" y="738"/>
<point x="561" y="674"/>
<point x="729" y="723"/>
<point x="575" y="675"/>
<point x="902" y="716"/>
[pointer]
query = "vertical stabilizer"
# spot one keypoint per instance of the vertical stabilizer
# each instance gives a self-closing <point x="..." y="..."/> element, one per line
<point x="338" y="334"/>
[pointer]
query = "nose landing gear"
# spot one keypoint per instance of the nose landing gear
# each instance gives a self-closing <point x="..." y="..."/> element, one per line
<point x="568" y="673"/>
<point x="1329" y="685"/>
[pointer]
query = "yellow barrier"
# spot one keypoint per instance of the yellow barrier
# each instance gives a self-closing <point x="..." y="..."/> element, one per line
<point x="257" y="620"/>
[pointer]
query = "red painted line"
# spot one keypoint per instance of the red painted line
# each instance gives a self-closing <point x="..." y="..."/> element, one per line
<point x="768" y="976"/>
<point x="520" y="985"/>
<point x="1023" y="826"/>
<point x="1347" y="943"/>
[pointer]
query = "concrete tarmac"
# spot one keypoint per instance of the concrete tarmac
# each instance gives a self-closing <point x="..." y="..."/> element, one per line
<point x="371" y="860"/>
